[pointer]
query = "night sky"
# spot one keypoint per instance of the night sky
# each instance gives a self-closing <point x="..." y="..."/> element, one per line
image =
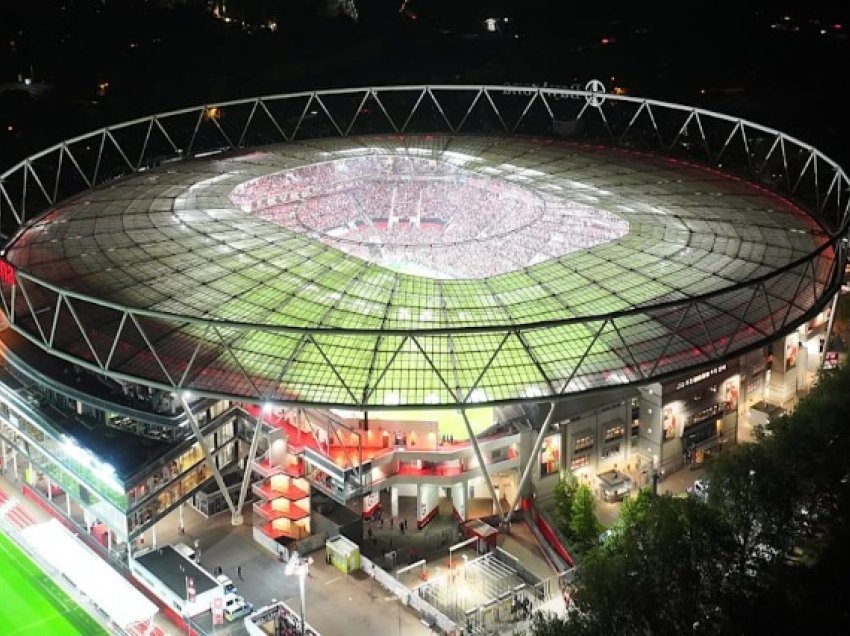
<point x="68" y="66"/>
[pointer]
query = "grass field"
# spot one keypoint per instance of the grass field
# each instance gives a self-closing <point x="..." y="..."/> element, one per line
<point x="32" y="604"/>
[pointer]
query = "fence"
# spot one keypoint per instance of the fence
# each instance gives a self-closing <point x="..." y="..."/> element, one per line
<point x="432" y="615"/>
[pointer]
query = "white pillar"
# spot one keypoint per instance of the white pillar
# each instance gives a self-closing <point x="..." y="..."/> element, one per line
<point x="153" y="536"/>
<point x="236" y="518"/>
<point x="108" y="538"/>
<point x="180" y="526"/>
<point x="49" y="490"/>
<point x="68" y="504"/>
<point x="393" y="501"/>
<point x="15" y="463"/>
<point x="210" y="460"/>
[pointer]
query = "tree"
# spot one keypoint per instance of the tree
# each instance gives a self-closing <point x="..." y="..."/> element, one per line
<point x="583" y="524"/>
<point x="755" y="496"/>
<point x="564" y="494"/>
<point x="770" y="552"/>
<point x="662" y="572"/>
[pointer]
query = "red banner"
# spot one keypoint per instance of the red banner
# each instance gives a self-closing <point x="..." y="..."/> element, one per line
<point x="218" y="610"/>
<point x="7" y="272"/>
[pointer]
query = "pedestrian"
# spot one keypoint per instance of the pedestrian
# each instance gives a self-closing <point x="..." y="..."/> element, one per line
<point x="239" y="572"/>
<point x="369" y="531"/>
<point x="381" y="519"/>
<point x="391" y="523"/>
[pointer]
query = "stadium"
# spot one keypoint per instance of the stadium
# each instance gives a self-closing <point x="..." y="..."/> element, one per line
<point x="434" y="293"/>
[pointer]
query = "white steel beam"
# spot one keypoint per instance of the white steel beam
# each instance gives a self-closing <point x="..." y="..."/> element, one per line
<point x="535" y="450"/>
<point x="484" y="472"/>
<point x="246" y="476"/>
<point x="207" y="455"/>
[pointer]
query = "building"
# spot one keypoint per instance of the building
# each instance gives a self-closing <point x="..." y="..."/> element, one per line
<point x="319" y="299"/>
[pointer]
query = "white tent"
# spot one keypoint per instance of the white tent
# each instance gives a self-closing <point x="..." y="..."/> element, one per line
<point x="89" y="573"/>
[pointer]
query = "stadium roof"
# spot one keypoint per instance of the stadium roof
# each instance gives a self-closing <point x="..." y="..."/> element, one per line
<point x="161" y="277"/>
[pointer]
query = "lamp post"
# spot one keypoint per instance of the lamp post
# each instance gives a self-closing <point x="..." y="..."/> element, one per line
<point x="297" y="565"/>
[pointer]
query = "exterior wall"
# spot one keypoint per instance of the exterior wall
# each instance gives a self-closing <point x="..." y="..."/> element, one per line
<point x="128" y="507"/>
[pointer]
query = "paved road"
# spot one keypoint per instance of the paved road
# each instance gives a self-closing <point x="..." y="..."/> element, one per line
<point x="336" y="603"/>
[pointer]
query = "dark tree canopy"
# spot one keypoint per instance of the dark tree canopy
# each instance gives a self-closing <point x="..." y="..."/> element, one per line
<point x="769" y="551"/>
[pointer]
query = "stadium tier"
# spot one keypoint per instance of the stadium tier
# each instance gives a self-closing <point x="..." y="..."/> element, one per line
<point x="367" y="299"/>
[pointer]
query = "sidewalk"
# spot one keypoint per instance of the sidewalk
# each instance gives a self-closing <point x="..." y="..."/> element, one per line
<point x="673" y="484"/>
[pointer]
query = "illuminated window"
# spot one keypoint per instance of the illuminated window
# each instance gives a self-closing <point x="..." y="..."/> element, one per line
<point x="583" y="441"/>
<point x="579" y="461"/>
<point x="615" y="432"/>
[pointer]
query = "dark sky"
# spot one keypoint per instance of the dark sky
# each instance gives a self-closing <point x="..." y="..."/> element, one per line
<point x="739" y="57"/>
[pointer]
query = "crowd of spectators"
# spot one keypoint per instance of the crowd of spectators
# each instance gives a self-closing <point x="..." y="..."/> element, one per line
<point x="433" y="215"/>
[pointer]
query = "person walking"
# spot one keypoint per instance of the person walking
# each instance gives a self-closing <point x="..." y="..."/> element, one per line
<point x="239" y="572"/>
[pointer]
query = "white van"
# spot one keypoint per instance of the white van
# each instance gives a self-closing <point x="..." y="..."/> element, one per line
<point x="185" y="550"/>
<point x="226" y="583"/>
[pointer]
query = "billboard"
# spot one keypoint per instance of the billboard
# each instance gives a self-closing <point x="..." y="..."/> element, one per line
<point x="792" y="348"/>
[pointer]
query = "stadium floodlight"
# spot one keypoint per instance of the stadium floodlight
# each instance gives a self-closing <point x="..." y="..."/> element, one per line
<point x="533" y="391"/>
<point x="299" y="566"/>
<point x="392" y="399"/>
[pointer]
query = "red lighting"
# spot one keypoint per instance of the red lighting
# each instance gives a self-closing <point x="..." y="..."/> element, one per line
<point x="605" y="40"/>
<point x="7" y="272"/>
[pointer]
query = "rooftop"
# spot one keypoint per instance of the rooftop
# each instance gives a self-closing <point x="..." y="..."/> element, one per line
<point x="426" y="270"/>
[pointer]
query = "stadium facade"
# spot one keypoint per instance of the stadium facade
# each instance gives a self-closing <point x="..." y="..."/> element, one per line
<point x="346" y="297"/>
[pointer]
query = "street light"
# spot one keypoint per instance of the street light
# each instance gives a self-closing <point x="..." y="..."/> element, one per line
<point x="297" y="565"/>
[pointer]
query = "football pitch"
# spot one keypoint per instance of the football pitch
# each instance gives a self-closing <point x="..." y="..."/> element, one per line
<point x="32" y="604"/>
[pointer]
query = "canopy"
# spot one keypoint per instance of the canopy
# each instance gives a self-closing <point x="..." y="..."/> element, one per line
<point x="107" y="589"/>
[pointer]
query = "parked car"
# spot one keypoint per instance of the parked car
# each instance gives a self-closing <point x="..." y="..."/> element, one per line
<point x="185" y="550"/>
<point x="236" y="607"/>
<point x="699" y="489"/>
<point x="226" y="582"/>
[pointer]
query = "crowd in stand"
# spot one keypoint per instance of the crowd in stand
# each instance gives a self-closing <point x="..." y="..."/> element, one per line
<point x="432" y="214"/>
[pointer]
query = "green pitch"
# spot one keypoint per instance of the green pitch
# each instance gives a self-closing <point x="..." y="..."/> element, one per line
<point x="32" y="604"/>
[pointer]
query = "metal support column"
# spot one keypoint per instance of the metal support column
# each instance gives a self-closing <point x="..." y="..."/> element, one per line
<point x="535" y="451"/>
<point x="246" y="476"/>
<point x="484" y="472"/>
<point x="207" y="455"/>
